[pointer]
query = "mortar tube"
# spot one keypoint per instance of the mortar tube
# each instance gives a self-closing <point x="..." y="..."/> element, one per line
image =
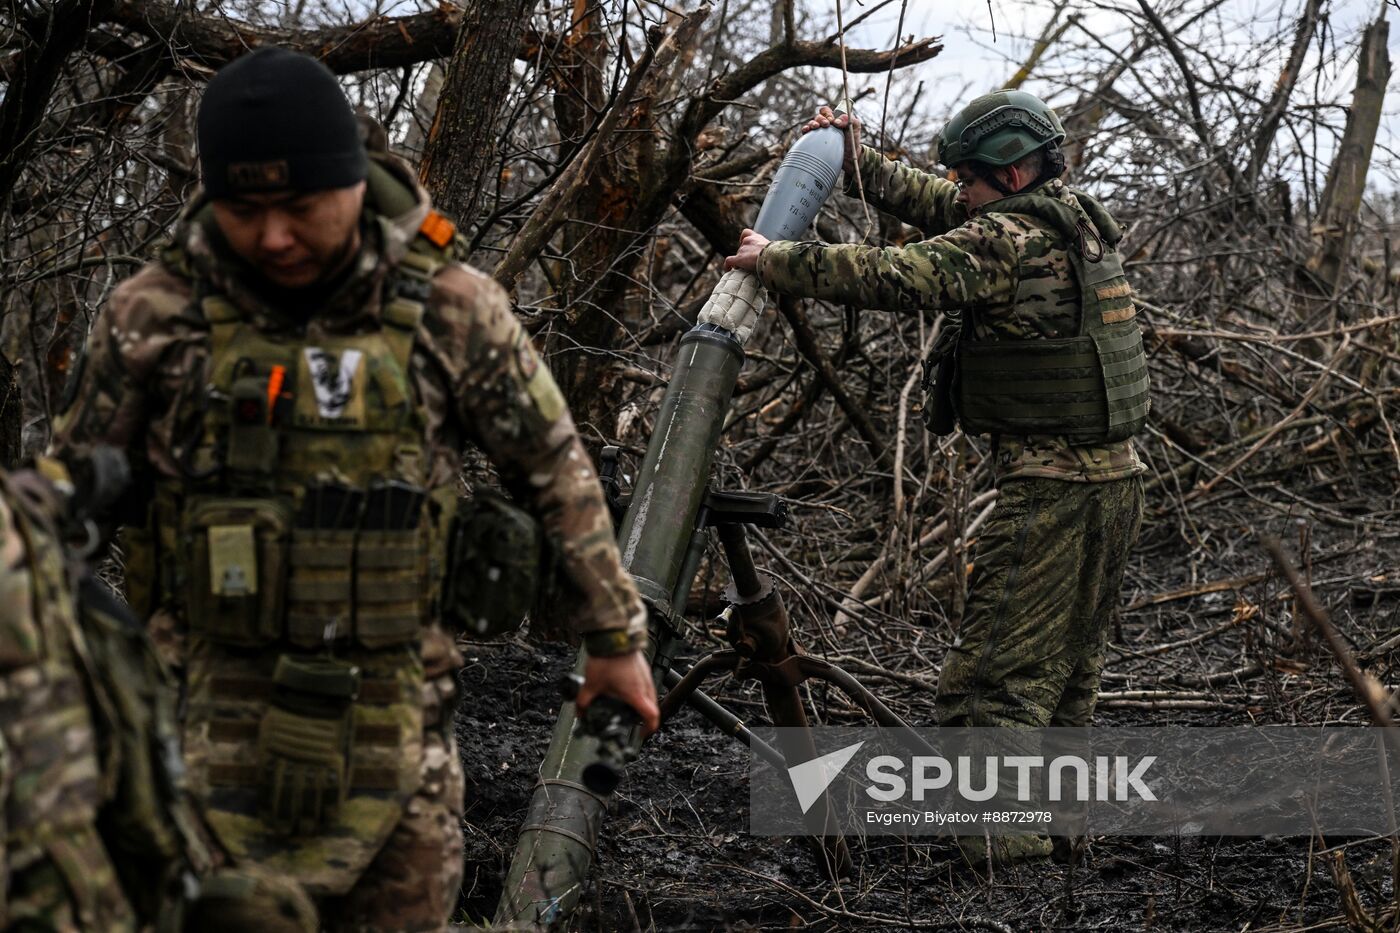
<point x="656" y="532"/>
<point x="556" y="846"/>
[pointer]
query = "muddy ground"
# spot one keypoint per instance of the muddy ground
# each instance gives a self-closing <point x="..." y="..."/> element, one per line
<point x="675" y="854"/>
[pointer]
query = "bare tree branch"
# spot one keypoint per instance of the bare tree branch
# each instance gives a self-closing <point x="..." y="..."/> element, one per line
<point x="380" y="42"/>
<point x="460" y="149"/>
<point x="781" y="58"/>
<point x="1346" y="179"/>
<point x="46" y="43"/>
<point x="1283" y="89"/>
<point x="555" y="202"/>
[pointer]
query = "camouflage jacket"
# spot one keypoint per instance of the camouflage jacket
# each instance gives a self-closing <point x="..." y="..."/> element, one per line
<point x="974" y="269"/>
<point x="57" y="873"/>
<point x="475" y="371"/>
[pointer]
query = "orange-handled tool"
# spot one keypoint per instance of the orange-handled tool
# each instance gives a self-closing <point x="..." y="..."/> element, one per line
<point x="274" y="389"/>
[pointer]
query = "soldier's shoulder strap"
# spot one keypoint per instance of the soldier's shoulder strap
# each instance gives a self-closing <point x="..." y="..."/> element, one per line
<point x="205" y="305"/>
<point x="1054" y="213"/>
<point x="1099" y="216"/>
<point x="409" y="287"/>
<point x="1089" y="229"/>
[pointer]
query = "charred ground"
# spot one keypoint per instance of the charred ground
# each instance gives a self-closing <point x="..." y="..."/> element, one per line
<point x="676" y="855"/>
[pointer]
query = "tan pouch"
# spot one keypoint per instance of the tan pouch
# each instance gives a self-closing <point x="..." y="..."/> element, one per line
<point x="304" y="744"/>
<point x="236" y="573"/>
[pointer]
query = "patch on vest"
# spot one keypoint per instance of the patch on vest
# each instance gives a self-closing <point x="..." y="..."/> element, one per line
<point x="333" y="378"/>
<point x="1119" y="308"/>
<point x="1121" y="290"/>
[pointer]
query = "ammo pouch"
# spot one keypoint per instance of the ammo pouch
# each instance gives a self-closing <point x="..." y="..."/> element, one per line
<point x="333" y="576"/>
<point x="304" y="743"/>
<point x="493" y="569"/>
<point x="391" y="585"/>
<point x="319" y="586"/>
<point x="236" y="568"/>
<point x="940" y="375"/>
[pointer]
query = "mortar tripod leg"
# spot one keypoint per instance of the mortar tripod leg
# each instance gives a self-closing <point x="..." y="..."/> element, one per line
<point x="818" y="669"/>
<point x="760" y="634"/>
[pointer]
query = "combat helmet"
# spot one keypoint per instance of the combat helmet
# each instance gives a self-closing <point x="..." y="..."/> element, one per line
<point x="998" y="129"/>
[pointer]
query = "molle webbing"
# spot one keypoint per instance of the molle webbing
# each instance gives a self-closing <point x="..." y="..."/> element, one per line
<point x="1044" y="382"/>
<point x="367" y="735"/>
<point x="248" y="775"/>
<point x="259" y="559"/>
<point x="1092" y="387"/>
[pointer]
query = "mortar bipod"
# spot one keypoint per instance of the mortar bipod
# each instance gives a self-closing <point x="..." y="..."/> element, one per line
<point x="761" y="628"/>
<point x="763" y="650"/>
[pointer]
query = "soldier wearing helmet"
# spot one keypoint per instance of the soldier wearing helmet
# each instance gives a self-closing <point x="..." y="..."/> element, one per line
<point x="1039" y="349"/>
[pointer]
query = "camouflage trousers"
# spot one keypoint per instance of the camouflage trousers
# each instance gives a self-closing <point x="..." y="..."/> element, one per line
<point x="412" y="884"/>
<point x="1046" y="575"/>
<point x="412" y="881"/>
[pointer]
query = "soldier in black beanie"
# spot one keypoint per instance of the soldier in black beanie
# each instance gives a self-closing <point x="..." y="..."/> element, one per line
<point x="284" y="164"/>
<point x="293" y="382"/>
<point x="275" y="119"/>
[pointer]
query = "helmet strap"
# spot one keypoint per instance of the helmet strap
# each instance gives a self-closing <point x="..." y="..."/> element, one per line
<point x="1052" y="167"/>
<point x="988" y="174"/>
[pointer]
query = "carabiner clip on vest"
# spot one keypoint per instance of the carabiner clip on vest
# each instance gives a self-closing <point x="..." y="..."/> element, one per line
<point x="1081" y="243"/>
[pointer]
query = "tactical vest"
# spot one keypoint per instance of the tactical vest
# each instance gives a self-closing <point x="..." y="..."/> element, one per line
<point x="1091" y="387"/>
<point x="313" y="524"/>
<point x="305" y="554"/>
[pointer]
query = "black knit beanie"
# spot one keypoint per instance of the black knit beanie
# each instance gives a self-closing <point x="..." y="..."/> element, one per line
<point x="275" y="120"/>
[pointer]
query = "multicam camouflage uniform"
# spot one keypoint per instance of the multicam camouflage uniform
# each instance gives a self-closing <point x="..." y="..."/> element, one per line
<point x="100" y="832"/>
<point x="1049" y="565"/>
<point x="57" y="873"/>
<point x="318" y="728"/>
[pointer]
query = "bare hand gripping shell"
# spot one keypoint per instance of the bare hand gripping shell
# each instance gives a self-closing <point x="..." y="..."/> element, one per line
<point x="801" y="186"/>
